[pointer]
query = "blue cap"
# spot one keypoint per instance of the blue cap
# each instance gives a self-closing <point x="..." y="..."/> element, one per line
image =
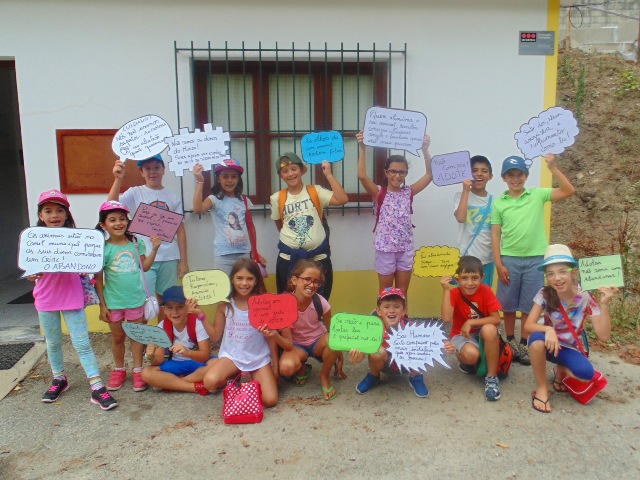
<point x="514" y="163"/>
<point x="157" y="157"/>
<point x="173" y="294"/>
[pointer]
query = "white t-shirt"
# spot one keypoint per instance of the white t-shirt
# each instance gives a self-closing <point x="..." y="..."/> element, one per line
<point x="183" y="339"/>
<point x="478" y="216"/>
<point x="231" y="233"/>
<point x="164" y="199"/>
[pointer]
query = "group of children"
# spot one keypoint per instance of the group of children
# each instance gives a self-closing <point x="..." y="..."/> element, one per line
<point x="504" y="234"/>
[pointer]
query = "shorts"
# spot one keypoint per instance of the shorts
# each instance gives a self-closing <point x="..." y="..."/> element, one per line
<point x="459" y="341"/>
<point x="571" y="358"/>
<point x="162" y="275"/>
<point x="309" y="349"/>
<point x="127" y="314"/>
<point x="388" y="263"/>
<point x="225" y="262"/>
<point x="180" y="368"/>
<point x="488" y="270"/>
<point x="524" y="283"/>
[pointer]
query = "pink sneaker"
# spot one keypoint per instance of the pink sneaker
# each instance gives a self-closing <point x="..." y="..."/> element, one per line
<point x="116" y="379"/>
<point x="138" y="383"/>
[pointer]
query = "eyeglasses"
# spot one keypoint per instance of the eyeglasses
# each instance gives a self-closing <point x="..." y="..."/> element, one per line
<point x="400" y="173"/>
<point x="565" y="272"/>
<point x="306" y="281"/>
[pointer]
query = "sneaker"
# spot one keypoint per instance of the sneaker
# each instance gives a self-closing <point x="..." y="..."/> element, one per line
<point x="515" y="348"/>
<point x="367" y="383"/>
<point x="419" y="387"/>
<point x="116" y="379"/>
<point x="524" y="355"/>
<point x="468" y="369"/>
<point x="138" y="383"/>
<point x="103" y="398"/>
<point x="57" y="388"/>
<point x="491" y="389"/>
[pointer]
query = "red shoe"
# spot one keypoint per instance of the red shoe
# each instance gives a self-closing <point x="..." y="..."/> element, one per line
<point x="138" y="384"/>
<point x="200" y="388"/>
<point x="116" y="379"/>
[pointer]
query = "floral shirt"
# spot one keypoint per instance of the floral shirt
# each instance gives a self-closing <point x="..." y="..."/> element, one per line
<point x="394" y="231"/>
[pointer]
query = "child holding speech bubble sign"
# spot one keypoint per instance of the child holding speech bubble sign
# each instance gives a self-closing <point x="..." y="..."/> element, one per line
<point x="57" y="294"/>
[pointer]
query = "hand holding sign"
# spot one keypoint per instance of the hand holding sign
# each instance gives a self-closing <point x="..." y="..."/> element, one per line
<point x="451" y="168"/>
<point x="396" y="129"/>
<point x="153" y="221"/>
<point x="320" y="146"/>
<point x="187" y="149"/>
<point x="605" y="271"/>
<point x="147" y="334"/>
<point x="552" y="131"/>
<point x="417" y="344"/>
<point x="141" y="138"/>
<point x="435" y="261"/>
<point x="274" y="311"/>
<point x="359" y="332"/>
<point x="206" y="286"/>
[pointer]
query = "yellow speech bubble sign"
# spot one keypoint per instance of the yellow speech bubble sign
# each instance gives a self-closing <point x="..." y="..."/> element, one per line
<point x="435" y="261"/>
<point x="206" y="286"/>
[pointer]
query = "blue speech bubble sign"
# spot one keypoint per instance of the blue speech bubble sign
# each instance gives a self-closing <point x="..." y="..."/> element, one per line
<point x="320" y="146"/>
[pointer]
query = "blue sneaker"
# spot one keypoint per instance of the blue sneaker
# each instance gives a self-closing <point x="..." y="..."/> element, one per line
<point x="367" y="383"/>
<point x="419" y="387"/>
<point x="491" y="388"/>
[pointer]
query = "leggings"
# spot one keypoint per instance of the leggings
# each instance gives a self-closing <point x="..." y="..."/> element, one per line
<point x="78" y="331"/>
<point x="573" y="359"/>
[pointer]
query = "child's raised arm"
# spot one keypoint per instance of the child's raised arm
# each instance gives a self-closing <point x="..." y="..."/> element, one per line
<point x="602" y="323"/>
<point x="565" y="189"/>
<point x="147" y="260"/>
<point x="118" y="174"/>
<point x="461" y="212"/>
<point x="425" y="180"/>
<point x="219" y="322"/>
<point x="447" y="308"/>
<point x="200" y="205"/>
<point x="339" y="196"/>
<point x="366" y="181"/>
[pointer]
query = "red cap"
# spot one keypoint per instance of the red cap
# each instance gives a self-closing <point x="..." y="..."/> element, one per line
<point x="110" y="205"/>
<point x="391" y="292"/>
<point x="54" y="196"/>
<point x="231" y="164"/>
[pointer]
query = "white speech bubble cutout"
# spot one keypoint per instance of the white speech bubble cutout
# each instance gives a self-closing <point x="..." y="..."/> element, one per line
<point x="394" y="129"/>
<point x="141" y="138"/>
<point x="43" y="249"/>
<point x="208" y="148"/>
<point x="552" y="131"/>
<point x="415" y="345"/>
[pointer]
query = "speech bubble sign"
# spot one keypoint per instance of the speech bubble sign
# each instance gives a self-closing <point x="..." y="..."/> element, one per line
<point x="141" y="138"/>
<point x="147" y="334"/>
<point x="394" y="128"/>
<point x="186" y="149"/>
<point x="206" y="286"/>
<point x="149" y="220"/>
<point x="361" y="332"/>
<point x="416" y="344"/>
<point x="43" y="249"/>
<point x="435" y="261"/>
<point x="274" y="311"/>
<point x="451" y="168"/>
<point x="552" y="131"/>
<point x="320" y="146"/>
<point x="605" y="271"/>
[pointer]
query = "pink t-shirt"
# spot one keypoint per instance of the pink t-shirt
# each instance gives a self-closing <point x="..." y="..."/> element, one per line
<point x="308" y="328"/>
<point x="58" y="291"/>
<point x="394" y="232"/>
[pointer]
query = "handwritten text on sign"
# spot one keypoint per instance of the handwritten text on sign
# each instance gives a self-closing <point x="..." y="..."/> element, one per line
<point x="45" y="249"/>
<point x="274" y="311"/>
<point x="605" y="271"/>
<point x="395" y="129"/>
<point x="435" y="261"/>
<point x="550" y="132"/>
<point x="153" y="221"/>
<point x="187" y="149"/>
<point x="141" y="138"/>
<point x="206" y="286"/>
<point x="147" y="334"/>
<point x="416" y="344"/>
<point x="451" y="168"/>
<point x="360" y="332"/>
<point x="320" y="146"/>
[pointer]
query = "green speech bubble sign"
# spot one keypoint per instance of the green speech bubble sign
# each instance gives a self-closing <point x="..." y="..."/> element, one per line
<point x="359" y="332"/>
<point x="605" y="271"/>
<point x="206" y="286"/>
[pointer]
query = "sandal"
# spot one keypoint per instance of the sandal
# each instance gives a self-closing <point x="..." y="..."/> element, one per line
<point x="301" y="380"/>
<point x="331" y="391"/>
<point x="538" y="409"/>
<point x="558" y="386"/>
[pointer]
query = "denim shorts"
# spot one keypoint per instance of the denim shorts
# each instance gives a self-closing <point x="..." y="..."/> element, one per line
<point x="387" y="263"/>
<point x="162" y="275"/>
<point x="459" y="341"/>
<point x="309" y="349"/>
<point x="525" y="280"/>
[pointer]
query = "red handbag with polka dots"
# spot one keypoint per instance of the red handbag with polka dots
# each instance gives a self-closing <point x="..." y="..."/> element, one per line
<point x="242" y="401"/>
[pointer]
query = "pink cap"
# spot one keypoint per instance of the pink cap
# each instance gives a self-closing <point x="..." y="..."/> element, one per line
<point x="113" y="205"/>
<point x="54" y="196"/>
<point x="391" y="292"/>
<point x="231" y="164"/>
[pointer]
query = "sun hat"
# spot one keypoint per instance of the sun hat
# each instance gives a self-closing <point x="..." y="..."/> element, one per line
<point x="53" y="196"/>
<point x="110" y="205"/>
<point x="558" y="253"/>
<point x="157" y="158"/>
<point x="173" y="294"/>
<point x="391" y="292"/>
<point x="289" y="158"/>
<point x="514" y="163"/>
<point x="231" y="164"/>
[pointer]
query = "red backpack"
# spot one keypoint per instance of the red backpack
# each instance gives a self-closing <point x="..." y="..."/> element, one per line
<point x="192" y="320"/>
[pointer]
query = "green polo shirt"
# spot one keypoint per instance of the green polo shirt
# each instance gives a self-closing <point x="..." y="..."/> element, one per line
<point x="522" y="222"/>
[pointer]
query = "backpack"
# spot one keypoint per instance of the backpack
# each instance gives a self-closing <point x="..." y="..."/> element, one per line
<point x="381" y="194"/>
<point x="315" y="199"/>
<point x="191" y="329"/>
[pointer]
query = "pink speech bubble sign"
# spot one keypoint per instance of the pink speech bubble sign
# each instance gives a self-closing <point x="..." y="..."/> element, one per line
<point x="274" y="311"/>
<point x="149" y="220"/>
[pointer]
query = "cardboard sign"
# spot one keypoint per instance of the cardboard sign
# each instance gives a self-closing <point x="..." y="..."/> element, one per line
<point x="394" y="128"/>
<point x="141" y="138"/>
<point x="552" y="131"/>
<point x="320" y="146"/>
<point x="605" y="271"/>
<point x="186" y="149"/>
<point x="360" y="332"/>
<point x="417" y="344"/>
<point x="435" y="261"/>
<point x="147" y="334"/>
<point x="43" y="249"/>
<point x="206" y="286"/>
<point x="451" y="168"/>
<point x="149" y="220"/>
<point x="274" y="311"/>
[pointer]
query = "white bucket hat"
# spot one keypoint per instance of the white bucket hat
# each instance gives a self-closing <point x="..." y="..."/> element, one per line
<point x="558" y="253"/>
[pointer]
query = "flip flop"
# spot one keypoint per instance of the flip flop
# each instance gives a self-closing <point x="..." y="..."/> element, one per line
<point x="301" y="380"/>
<point x="558" y="386"/>
<point x="327" y="391"/>
<point x="533" y="404"/>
